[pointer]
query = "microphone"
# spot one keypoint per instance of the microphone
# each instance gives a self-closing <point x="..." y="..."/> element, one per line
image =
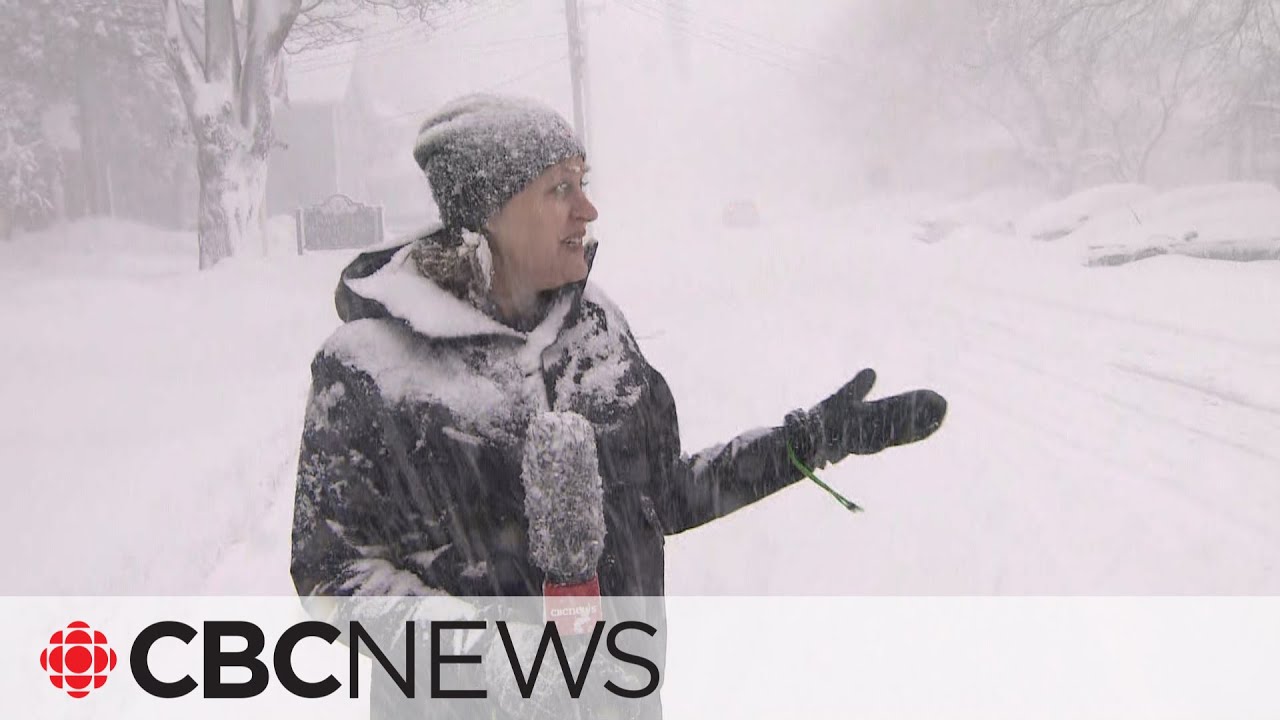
<point x="564" y="506"/>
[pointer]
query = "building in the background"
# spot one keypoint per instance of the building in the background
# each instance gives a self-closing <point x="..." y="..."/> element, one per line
<point x="391" y="175"/>
<point x="342" y="131"/>
<point x="321" y="139"/>
<point x="353" y="111"/>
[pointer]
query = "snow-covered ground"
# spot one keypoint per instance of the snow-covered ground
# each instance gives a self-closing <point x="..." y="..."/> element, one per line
<point x="1111" y="430"/>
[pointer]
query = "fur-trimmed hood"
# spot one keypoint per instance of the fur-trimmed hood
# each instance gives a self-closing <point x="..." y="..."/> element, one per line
<point x="435" y="284"/>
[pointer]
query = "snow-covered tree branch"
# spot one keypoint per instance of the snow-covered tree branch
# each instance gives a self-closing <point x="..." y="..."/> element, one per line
<point x="1087" y="86"/>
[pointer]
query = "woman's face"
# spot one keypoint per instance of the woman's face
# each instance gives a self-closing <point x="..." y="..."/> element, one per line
<point x="537" y="236"/>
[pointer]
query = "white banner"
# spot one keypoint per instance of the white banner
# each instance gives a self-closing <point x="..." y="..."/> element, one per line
<point x="739" y="657"/>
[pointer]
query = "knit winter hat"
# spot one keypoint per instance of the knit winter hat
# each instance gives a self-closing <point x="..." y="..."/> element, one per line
<point x="481" y="150"/>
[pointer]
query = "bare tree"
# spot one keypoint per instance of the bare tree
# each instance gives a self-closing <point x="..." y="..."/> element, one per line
<point x="1086" y="87"/>
<point x="1161" y="65"/>
<point x="1245" y="101"/>
<point x="226" y="59"/>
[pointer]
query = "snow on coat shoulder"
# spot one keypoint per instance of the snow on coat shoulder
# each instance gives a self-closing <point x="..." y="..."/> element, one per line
<point x="404" y="367"/>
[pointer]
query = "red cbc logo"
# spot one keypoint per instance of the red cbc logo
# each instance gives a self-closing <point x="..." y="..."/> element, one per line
<point x="78" y="659"/>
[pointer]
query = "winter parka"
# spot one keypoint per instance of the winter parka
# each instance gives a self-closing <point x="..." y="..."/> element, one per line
<point x="409" y="476"/>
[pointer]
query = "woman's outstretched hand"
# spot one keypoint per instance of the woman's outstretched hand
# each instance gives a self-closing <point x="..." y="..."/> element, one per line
<point x="847" y="424"/>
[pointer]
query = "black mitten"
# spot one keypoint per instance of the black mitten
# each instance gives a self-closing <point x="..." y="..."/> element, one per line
<point x="847" y="424"/>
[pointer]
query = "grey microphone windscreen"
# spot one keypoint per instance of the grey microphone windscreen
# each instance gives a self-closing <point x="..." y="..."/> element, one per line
<point x="563" y="496"/>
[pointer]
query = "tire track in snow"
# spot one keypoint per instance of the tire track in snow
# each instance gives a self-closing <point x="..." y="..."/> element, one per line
<point x="1154" y="464"/>
<point x="1266" y="349"/>
<point x="1121" y="491"/>
<point x="1068" y="380"/>
<point x="1198" y="387"/>
<point x="1085" y="508"/>
<point x="1037" y="510"/>
<point x="1060" y="480"/>
<point x="1059" y="350"/>
<point x="1076" y="503"/>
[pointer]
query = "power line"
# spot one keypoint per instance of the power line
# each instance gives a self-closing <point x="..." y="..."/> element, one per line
<point x="733" y="44"/>
<point x="763" y="41"/>
<point x="509" y="41"/>
<point x="479" y="50"/>
<point x="526" y="73"/>
<point x="410" y="39"/>
<point x="690" y="31"/>
<point x="403" y="30"/>
<point x="520" y="76"/>
<point x="737" y="40"/>
<point x="460" y="18"/>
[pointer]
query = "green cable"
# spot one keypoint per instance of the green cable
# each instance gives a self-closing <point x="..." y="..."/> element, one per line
<point x="847" y="503"/>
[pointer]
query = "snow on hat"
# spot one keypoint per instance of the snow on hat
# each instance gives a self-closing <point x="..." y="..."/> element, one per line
<point x="481" y="150"/>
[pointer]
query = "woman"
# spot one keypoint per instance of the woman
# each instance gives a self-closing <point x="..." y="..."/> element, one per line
<point x="410" y="478"/>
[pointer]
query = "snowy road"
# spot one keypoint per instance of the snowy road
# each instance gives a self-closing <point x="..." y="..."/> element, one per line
<point x="1115" y="447"/>
<point x="1112" y="430"/>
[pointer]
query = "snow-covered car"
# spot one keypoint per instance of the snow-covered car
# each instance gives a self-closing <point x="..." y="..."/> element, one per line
<point x="1060" y="218"/>
<point x="1228" y="221"/>
<point x="990" y="211"/>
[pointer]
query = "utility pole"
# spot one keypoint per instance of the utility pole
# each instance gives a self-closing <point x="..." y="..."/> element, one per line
<point x="578" y="70"/>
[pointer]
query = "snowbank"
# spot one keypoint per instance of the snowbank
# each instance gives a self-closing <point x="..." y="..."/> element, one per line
<point x="152" y="409"/>
<point x="103" y="246"/>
